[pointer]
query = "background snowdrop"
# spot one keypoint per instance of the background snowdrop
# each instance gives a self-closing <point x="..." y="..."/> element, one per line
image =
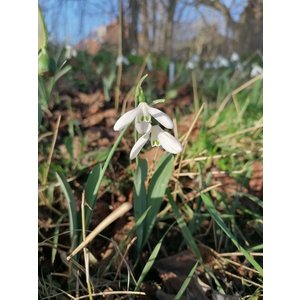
<point x="256" y="70"/>
<point x="234" y="57"/>
<point x="70" y="52"/>
<point x="122" y="60"/>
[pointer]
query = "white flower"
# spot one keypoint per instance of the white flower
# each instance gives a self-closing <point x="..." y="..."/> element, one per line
<point x="234" y="57"/>
<point x="70" y="52"/>
<point x="256" y="70"/>
<point x="193" y="62"/>
<point x="122" y="60"/>
<point x="142" y="115"/>
<point x="149" y="63"/>
<point x="220" y="62"/>
<point x="158" y="137"/>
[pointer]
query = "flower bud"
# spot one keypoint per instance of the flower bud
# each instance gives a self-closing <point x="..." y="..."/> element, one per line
<point x="46" y="64"/>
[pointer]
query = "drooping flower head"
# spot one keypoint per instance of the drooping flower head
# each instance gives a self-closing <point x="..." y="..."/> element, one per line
<point x="143" y="116"/>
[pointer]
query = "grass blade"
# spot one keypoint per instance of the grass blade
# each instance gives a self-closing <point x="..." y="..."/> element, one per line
<point x="151" y="260"/>
<point x="71" y="207"/>
<point x="156" y="191"/>
<point x="184" y="228"/>
<point x="217" y="218"/>
<point x="186" y="282"/>
<point x="55" y="239"/>
<point x="95" y="179"/>
<point x="91" y="190"/>
<point x="140" y="199"/>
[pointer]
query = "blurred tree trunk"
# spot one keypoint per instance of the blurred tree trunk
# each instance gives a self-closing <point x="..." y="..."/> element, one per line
<point x="145" y="35"/>
<point x="250" y="29"/>
<point x="247" y="32"/>
<point x="154" y="23"/>
<point x="169" y="27"/>
<point x="134" y="15"/>
<point x="123" y="42"/>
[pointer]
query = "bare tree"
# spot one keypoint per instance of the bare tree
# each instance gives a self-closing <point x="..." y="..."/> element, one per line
<point x="145" y="23"/>
<point x="134" y="18"/>
<point x="170" y="8"/>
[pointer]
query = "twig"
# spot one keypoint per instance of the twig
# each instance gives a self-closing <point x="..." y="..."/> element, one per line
<point x="239" y="265"/>
<point x="243" y="279"/>
<point x="120" y="211"/>
<point x="239" y="132"/>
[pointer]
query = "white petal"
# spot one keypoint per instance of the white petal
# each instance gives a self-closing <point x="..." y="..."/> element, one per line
<point x="126" y="119"/>
<point x="139" y="145"/>
<point x="169" y="142"/>
<point x="161" y="117"/>
<point x="141" y="127"/>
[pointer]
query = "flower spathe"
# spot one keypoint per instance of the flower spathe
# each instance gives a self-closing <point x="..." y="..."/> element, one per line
<point x="158" y="137"/>
<point x="142" y="115"/>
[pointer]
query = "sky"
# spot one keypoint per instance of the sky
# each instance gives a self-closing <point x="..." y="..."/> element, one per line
<point x="70" y="21"/>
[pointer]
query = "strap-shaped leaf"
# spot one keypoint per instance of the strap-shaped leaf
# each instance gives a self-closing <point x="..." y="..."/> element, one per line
<point x="156" y="191"/>
<point x="71" y="207"/>
<point x="140" y="198"/>
<point x="217" y="218"/>
<point x="91" y="190"/>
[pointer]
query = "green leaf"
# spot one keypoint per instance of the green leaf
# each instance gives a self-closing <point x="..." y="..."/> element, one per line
<point x="186" y="282"/>
<point x="57" y="76"/>
<point x="187" y="235"/>
<point x="216" y="216"/>
<point x="91" y="191"/>
<point x="97" y="177"/>
<point x="71" y="203"/>
<point x="151" y="260"/>
<point x="43" y="37"/>
<point x="156" y="191"/>
<point x="55" y="239"/>
<point x="140" y="198"/>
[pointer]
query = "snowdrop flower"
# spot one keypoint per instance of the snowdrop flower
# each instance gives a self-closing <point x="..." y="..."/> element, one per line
<point x="220" y="62"/>
<point x="149" y="63"/>
<point x="142" y="115"/>
<point x="122" y="60"/>
<point x="192" y="63"/>
<point x="234" y="57"/>
<point x="70" y="52"/>
<point x="256" y="70"/>
<point x="158" y="137"/>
